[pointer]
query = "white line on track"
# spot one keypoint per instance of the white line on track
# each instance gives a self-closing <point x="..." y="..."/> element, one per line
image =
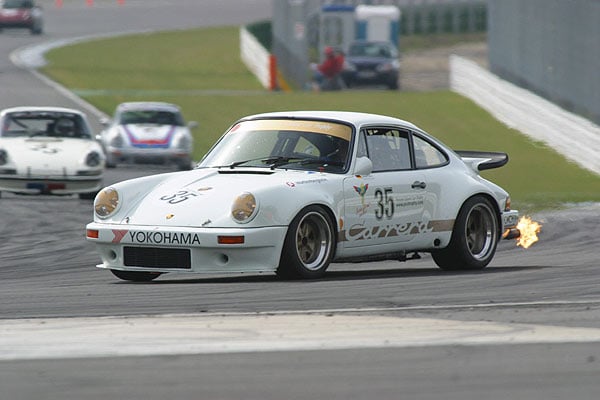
<point x="63" y="338"/>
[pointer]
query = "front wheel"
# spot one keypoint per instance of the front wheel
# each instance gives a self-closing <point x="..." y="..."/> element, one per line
<point x="308" y="246"/>
<point x="474" y="238"/>
<point x="135" y="276"/>
<point x="88" y="196"/>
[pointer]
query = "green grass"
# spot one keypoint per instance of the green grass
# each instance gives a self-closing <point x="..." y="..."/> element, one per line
<point x="200" y="70"/>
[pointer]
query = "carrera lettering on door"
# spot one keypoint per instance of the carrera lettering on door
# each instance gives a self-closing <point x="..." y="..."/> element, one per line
<point x="178" y="197"/>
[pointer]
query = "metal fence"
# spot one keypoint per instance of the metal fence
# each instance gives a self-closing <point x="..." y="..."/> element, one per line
<point x="433" y="16"/>
<point x="550" y="47"/>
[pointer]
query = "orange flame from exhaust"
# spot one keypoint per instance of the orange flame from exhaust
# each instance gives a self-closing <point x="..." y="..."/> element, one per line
<point x="529" y="230"/>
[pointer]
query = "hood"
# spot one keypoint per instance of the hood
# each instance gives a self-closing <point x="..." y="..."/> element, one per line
<point x="203" y="197"/>
<point x="42" y="155"/>
<point x="150" y="135"/>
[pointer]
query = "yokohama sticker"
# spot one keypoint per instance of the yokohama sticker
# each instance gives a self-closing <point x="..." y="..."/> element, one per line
<point x="177" y="238"/>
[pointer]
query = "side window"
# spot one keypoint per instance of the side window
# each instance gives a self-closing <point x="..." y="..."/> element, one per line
<point x="427" y="155"/>
<point x="362" y="146"/>
<point x="388" y="149"/>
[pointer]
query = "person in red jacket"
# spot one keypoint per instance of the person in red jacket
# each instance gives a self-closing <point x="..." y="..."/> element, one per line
<point x="327" y="74"/>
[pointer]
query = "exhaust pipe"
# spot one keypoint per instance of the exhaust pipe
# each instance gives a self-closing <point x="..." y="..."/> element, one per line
<point x="512" y="233"/>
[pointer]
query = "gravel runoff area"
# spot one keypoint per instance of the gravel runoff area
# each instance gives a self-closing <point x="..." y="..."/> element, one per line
<point x="427" y="70"/>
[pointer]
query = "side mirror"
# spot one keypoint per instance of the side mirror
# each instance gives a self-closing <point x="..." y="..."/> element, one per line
<point x="363" y="166"/>
<point x="192" y="124"/>
<point x="105" y="122"/>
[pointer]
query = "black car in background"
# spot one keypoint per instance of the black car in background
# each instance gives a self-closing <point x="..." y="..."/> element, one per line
<point x="373" y="63"/>
<point x="21" y="14"/>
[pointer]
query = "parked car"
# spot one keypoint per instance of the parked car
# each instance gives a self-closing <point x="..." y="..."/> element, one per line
<point x="372" y="63"/>
<point x="291" y="192"/>
<point x="21" y="14"/>
<point x="49" y="150"/>
<point x="148" y="132"/>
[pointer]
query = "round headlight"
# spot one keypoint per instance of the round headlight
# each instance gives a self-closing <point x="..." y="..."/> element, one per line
<point x="244" y="207"/>
<point x="106" y="202"/>
<point x="117" y="141"/>
<point x="184" y="142"/>
<point x="93" y="159"/>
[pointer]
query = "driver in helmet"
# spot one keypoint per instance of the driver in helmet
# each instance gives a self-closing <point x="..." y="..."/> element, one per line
<point x="64" y="127"/>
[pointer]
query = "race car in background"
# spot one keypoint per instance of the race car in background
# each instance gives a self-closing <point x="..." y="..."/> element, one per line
<point x="148" y="132"/>
<point x="291" y="192"/>
<point x="21" y="14"/>
<point x="49" y="150"/>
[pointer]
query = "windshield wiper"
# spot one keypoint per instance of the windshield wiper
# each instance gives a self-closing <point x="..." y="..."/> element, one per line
<point x="272" y="161"/>
<point x="278" y="161"/>
<point x="322" y="161"/>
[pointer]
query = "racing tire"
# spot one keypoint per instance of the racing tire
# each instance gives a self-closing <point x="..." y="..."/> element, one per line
<point x="474" y="238"/>
<point x="309" y="245"/>
<point x="88" y="196"/>
<point x="184" y="165"/>
<point x="110" y="162"/>
<point x="135" y="276"/>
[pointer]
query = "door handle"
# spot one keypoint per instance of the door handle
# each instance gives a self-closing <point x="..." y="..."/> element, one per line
<point x="418" y="185"/>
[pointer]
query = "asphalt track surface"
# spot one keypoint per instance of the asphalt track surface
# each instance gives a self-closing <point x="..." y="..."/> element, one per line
<point x="527" y="327"/>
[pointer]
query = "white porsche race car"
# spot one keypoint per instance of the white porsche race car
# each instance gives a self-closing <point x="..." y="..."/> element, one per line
<point x="148" y="132"/>
<point x="49" y="150"/>
<point x="292" y="192"/>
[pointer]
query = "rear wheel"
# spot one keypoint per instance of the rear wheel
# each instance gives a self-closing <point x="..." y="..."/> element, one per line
<point x="135" y="276"/>
<point x="474" y="238"/>
<point x="308" y="247"/>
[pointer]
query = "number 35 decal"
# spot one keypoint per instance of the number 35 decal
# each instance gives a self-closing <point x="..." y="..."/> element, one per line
<point x="385" y="203"/>
<point x="178" y="197"/>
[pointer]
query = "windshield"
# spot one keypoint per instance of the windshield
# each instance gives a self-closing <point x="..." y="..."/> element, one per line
<point x="154" y="117"/>
<point x="369" y="49"/>
<point x="17" y="4"/>
<point x="45" y="124"/>
<point x="291" y="144"/>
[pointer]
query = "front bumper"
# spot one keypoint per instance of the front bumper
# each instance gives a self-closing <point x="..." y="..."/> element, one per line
<point x="132" y="154"/>
<point x="50" y="185"/>
<point x="184" y="249"/>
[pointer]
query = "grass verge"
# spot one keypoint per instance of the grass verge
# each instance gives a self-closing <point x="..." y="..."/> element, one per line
<point x="201" y="71"/>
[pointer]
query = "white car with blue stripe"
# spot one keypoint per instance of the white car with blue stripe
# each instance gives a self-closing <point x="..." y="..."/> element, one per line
<point x="148" y="132"/>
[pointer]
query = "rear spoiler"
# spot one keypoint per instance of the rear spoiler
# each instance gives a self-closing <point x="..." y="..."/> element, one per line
<point x="482" y="160"/>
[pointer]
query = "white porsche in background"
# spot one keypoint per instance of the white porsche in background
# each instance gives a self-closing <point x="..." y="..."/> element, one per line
<point x="292" y="192"/>
<point x="148" y="132"/>
<point x="49" y="150"/>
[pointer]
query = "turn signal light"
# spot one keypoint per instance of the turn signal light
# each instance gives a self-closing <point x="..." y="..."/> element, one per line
<point x="92" y="233"/>
<point x="230" y="240"/>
